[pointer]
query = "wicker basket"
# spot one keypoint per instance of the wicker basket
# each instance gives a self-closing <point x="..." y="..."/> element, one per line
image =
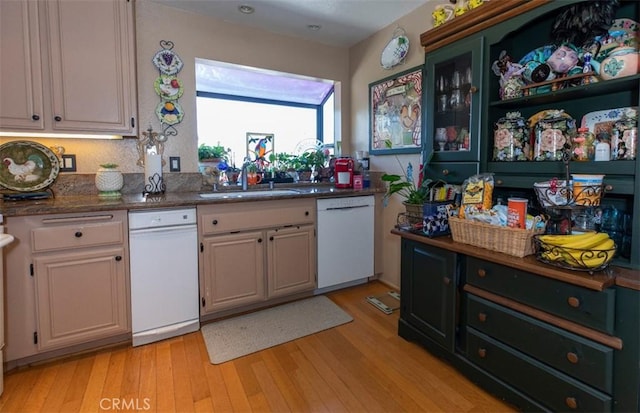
<point x="511" y="241"/>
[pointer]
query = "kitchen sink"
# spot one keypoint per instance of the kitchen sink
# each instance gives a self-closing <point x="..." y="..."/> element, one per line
<point x="249" y="194"/>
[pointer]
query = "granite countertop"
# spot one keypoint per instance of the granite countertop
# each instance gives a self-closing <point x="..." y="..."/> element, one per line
<point x="612" y="275"/>
<point x="92" y="203"/>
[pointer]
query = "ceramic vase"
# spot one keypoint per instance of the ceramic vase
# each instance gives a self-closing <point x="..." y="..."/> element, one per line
<point x="109" y="182"/>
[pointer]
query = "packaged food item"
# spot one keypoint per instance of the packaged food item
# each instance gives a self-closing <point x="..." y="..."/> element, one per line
<point x="477" y="192"/>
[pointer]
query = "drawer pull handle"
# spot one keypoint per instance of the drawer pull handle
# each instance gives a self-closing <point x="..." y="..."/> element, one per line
<point x="445" y="172"/>
<point x="572" y="357"/>
<point x="573" y="302"/>
<point x="482" y="273"/>
<point x="499" y="182"/>
<point x="78" y="234"/>
<point x="482" y="352"/>
<point x="306" y="213"/>
<point x="214" y="222"/>
<point x="57" y="118"/>
<point x="118" y="258"/>
<point x="571" y="402"/>
<point x="35" y="117"/>
<point x="482" y="317"/>
<point x="473" y="89"/>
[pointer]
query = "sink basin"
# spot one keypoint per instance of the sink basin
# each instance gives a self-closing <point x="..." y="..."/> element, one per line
<point x="249" y="194"/>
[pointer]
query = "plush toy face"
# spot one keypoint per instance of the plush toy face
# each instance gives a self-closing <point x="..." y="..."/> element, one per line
<point x="475" y="3"/>
<point x="563" y="59"/>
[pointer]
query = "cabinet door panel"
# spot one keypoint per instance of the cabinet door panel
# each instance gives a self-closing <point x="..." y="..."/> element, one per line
<point x="291" y="261"/>
<point x="233" y="270"/>
<point x="21" y="104"/>
<point x="81" y="297"/>
<point x="428" y="294"/>
<point x="91" y="81"/>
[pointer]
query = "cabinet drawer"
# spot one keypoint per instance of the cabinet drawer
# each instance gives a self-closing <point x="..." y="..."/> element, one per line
<point x="77" y="236"/>
<point x="219" y="219"/>
<point x="550" y="387"/>
<point x="451" y="172"/>
<point x="576" y="356"/>
<point x="593" y="309"/>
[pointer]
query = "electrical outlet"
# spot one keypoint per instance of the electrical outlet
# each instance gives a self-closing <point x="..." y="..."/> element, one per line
<point x="68" y="163"/>
<point x="174" y="164"/>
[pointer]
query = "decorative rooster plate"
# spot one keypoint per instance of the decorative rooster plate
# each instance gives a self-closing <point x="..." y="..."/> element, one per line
<point x="27" y="166"/>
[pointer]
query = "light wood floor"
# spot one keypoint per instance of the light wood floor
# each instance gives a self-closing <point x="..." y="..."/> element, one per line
<point x="362" y="366"/>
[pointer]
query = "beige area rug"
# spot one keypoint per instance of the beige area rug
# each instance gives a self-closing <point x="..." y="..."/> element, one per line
<point x="238" y="336"/>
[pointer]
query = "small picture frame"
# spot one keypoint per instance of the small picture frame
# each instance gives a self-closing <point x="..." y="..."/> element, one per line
<point x="395" y="113"/>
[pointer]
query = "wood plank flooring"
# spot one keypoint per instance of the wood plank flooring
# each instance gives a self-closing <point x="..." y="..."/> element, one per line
<point x="362" y="366"/>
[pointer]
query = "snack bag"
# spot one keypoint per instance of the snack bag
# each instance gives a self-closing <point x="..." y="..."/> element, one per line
<point x="477" y="192"/>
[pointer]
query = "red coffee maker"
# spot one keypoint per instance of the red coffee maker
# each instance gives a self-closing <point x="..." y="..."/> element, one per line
<point x="344" y="173"/>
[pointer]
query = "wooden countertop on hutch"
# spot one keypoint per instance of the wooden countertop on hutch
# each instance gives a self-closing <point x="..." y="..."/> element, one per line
<point x="599" y="281"/>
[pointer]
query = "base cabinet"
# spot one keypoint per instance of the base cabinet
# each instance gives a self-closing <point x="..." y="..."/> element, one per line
<point x="67" y="282"/>
<point x="252" y="254"/>
<point x="428" y="295"/>
<point x="80" y="297"/>
<point x="539" y="343"/>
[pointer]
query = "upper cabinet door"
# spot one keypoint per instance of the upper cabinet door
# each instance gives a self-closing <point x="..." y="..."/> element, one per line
<point x="21" y="96"/>
<point x="453" y="101"/>
<point x="92" y="66"/>
<point x="68" y="66"/>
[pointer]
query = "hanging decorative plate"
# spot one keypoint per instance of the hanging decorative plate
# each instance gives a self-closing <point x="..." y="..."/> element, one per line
<point x="169" y="113"/>
<point x="168" y="87"/>
<point x="396" y="50"/>
<point x="27" y="166"/>
<point x="167" y="62"/>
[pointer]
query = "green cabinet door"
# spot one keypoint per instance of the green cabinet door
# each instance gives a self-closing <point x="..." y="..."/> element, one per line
<point x="428" y="292"/>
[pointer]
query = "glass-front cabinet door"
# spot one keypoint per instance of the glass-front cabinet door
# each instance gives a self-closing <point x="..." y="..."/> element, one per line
<point x="452" y="95"/>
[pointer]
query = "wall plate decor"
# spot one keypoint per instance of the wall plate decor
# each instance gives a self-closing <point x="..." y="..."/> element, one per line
<point x="167" y="62"/>
<point x="27" y="166"/>
<point x="169" y="112"/>
<point x="168" y="87"/>
<point x="395" y="113"/>
<point x="396" y="50"/>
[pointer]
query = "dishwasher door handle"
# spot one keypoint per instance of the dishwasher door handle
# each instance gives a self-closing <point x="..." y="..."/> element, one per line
<point x="177" y="228"/>
<point x="347" y="208"/>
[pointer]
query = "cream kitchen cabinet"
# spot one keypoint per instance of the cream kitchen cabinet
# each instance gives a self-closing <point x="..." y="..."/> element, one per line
<point x="254" y="253"/>
<point x="68" y="67"/>
<point x="67" y="283"/>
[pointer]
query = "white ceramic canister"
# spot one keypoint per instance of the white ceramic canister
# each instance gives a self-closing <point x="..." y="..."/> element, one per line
<point x="109" y="181"/>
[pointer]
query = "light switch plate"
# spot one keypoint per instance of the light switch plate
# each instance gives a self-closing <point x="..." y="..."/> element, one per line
<point x="68" y="163"/>
<point x="174" y="164"/>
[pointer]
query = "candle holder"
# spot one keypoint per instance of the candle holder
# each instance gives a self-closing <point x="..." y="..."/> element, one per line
<point x="155" y="186"/>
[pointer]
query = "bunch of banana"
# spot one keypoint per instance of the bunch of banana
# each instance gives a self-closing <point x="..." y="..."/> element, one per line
<point x="588" y="250"/>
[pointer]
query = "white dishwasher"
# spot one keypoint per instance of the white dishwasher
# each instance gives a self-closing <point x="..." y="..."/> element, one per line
<point x="345" y="241"/>
<point x="163" y="247"/>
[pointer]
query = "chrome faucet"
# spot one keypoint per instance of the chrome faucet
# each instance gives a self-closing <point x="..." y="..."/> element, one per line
<point x="243" y="178"/>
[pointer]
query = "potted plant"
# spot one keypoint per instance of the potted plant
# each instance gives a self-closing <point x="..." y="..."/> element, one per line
<point x="213" y="153"/>
<point x="414" y="194"/>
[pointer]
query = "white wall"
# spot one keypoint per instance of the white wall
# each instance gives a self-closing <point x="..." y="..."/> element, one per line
<point x="364" y="61"/>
